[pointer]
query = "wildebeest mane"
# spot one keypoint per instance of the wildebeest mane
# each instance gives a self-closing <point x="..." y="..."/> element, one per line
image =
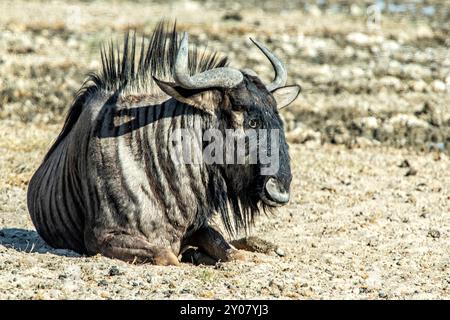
<point x="134" y="72"/>
<point x="128" y="72"/>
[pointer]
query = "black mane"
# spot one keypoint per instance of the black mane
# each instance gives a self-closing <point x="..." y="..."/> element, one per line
<point x="156" y="59"/>
<point x="131" y="72"/>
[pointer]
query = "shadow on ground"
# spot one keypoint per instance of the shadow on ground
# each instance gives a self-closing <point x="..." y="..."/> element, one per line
<point x="29" y="241"/>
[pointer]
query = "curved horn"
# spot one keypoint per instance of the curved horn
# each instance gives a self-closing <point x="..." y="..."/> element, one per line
<point x="278" y="66"/>
<point x="220" y="77"/>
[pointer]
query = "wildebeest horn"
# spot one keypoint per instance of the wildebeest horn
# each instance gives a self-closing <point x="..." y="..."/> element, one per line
<point x="219" y="77"/>
<point x="278" y="66"/>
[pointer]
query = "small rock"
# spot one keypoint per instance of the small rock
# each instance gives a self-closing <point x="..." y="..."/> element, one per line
<point x="382" y="295"/>
<point x="185" y="291"/>
<point x="366" y="142"/>
<point x="424" y="31"/>
<point x="390" y="45"/>
<point x="114" y="271"/>
<point x="355" y="10"/>
<point x="254" y="244"/>
<point x="328" y="188"/>
<point x="418" y="85"/>
<point x="401" y="121"/>
<point x="358" y="38"/>
<point x="421" y="187"/>
<point x="439" y="146"/>
<point x="411" y="172"/>
<point x="280" y="252"/>
<point x="363" y="40"/>
<point x="404" y="164"/>
<point x="232" y="16"/>
<point x="314" y="11"/>
<point x="189" y="5"/>
<point x="435" y="234"/>
<point x="302" y="135"/>
<point x="276" y="285"/>
<point x="370" y="122"/>
<point x="438" y="86"/>
<point x="447" y="80"/>
<point x="102" y="283"/>
<point x="391" y="82"/>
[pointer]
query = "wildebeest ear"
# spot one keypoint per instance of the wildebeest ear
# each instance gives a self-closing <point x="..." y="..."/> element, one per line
<point x="285" y="95"/>
<point x="204" y="99"/>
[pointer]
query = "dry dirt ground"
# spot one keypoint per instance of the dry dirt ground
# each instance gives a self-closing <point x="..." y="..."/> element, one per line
<point x="369" y="215"/>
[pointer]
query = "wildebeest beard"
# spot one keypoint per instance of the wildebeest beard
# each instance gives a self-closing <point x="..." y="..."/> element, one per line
<point x="244" y="181"/>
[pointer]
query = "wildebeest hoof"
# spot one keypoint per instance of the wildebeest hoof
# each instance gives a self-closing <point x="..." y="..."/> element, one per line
<point x="197" y="257"/>
<point x="166" y="257"/>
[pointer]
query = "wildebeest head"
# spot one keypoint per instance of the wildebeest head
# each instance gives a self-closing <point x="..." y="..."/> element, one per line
<point x="239" y="100"/>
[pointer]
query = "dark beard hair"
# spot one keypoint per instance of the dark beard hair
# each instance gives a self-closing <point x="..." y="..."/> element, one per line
<point x="237" y="204"/>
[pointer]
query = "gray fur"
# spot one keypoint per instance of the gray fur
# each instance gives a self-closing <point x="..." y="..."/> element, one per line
<point x="108" y="184"/>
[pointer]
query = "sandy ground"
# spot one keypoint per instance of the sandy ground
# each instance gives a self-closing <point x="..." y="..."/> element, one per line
<point x="356" y="227"/>
<point x="370" y="141"/>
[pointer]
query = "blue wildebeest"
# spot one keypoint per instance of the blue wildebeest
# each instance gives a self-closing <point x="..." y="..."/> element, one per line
<point x="108" y="184"/>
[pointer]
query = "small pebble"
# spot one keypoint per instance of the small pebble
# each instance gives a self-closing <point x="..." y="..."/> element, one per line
<point x="438" y="86"/>
<point x="404" y="164"/>
<point x="435" y="234"/>
<point x="280" y="252"/>
<point x="102" y="283"/>
<point x="411" y="172"/>
<point x="232" y="16"/>
<point x="114" y="271"/>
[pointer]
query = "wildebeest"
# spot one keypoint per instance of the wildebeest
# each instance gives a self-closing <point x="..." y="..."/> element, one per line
<point x="108" y="185"/>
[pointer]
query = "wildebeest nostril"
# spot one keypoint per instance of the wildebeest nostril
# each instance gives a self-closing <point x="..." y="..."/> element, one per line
<point x="276" y="191"/>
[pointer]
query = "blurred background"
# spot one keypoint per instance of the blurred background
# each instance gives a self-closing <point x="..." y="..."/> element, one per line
<point x="372" y="72"/>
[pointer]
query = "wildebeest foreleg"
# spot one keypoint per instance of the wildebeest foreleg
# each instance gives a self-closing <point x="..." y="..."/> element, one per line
<point x="134" y="248"/>
<point x="214" y="244"/>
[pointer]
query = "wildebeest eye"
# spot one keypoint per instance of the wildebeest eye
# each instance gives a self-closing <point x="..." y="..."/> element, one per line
<point x="253" y="123"/>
